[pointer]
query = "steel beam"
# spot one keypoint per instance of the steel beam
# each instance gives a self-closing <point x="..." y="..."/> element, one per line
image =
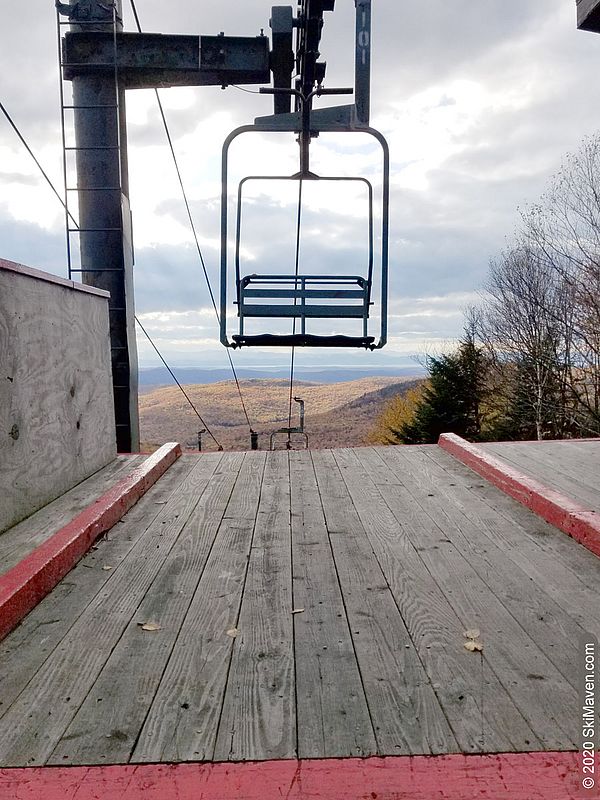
<point x="588" y="15"/>
<point x="282" y="56"/>
<point x="362" y="81"/>
<point x="150" y="60"/>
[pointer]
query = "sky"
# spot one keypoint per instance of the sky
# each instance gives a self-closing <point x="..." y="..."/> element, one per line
<point x="480" y="100"/>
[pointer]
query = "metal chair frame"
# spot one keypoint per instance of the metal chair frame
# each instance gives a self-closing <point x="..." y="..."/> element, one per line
<point x="328" y="287"/>
<point x="299" y="289"/>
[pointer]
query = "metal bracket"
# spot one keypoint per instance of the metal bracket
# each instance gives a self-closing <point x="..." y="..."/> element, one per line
<point x="282" y="55"/>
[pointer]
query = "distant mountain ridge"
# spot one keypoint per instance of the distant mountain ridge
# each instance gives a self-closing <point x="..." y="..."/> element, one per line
<point x="338" y="414"/>
<point x="154" y="377"/>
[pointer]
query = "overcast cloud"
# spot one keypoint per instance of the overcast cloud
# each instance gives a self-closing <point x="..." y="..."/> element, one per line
<point x="480" y="101"/>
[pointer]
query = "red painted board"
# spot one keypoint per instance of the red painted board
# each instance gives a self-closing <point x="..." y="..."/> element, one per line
<point x="529" y="776"/>
<point x="29" y="581"/>
<point x="561" y="511"/>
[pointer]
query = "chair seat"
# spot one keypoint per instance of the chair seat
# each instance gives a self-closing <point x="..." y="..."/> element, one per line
<point x="302" y="340"/>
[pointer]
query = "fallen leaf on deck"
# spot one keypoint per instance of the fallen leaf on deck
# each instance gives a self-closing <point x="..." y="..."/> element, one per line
<point x="298" y="611"/>
<point x="472" y="634"/>
<point x="473" y="646"/>
<point x="149" y="626"/>
<point x="233" y="632"/>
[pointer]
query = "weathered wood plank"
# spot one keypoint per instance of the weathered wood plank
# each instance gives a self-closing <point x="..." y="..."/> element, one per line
<point x="333" y="717"/>
<point x="184" y="716"/>
<point x="259" y="714"/>
<point x="559" y="566"/>
<point x="460" y="686"/>
<point x="542" y="695"/>
<point x="23" y="538"/>
<point x="579" y="458"/>
<point x="30" y="731"/>
<point x="559" y="454"/>
<point x="545" y="622"/>
<point x="106" y="726"/>
<point x="24" y="651"/>
<point x="572" y="472"/>
<point x="405" y="713"/>
<point x="502" y="776"/>
<point x="556" y="466"/>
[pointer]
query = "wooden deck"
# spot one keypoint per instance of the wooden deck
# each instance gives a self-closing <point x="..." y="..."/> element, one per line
<point x="310" y="605"/>
<point x="569" y="466"/>
<point x="20" y="540"/>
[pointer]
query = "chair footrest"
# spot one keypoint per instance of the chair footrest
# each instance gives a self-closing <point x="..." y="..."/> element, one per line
<point x="303" y="340"/>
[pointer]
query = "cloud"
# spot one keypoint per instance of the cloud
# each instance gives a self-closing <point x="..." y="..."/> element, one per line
<point x="479" y="100"/>
<point x="19" y="178"/>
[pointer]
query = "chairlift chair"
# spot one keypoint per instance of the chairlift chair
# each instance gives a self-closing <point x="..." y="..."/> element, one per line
<point x="299" y="296"/>
<point x="292" y="430"/>
<point x="302" y="296"/>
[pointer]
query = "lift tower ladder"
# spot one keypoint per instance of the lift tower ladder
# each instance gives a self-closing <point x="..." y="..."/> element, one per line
<point x="97" y="216"/>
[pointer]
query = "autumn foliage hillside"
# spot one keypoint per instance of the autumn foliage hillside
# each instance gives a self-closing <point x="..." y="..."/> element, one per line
<point x="337" y="415"/>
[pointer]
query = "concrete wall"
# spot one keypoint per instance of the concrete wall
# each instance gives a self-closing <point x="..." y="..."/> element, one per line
<point x="56" y="403"/>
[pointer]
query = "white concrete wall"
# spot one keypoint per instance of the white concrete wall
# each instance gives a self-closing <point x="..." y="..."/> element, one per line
<point x="56" y="404"/>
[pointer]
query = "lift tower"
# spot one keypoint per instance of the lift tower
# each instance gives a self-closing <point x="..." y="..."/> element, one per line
<point x="103" y="61"/>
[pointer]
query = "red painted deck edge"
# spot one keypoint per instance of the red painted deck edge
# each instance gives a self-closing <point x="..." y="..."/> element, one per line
<point x="29" y="581"/>
<point x="512" y="776"/>
<point x="558" y="509"/>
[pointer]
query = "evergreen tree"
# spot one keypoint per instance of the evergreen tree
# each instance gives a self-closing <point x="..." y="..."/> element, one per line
<point x="452" y="401"/>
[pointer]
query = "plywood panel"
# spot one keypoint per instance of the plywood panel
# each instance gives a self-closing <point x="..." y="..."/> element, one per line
<point x="56" y="406"/>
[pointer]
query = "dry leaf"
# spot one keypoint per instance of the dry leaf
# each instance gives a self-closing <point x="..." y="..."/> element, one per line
<point x="233" y="632"/>
<point x="298" y="611"/>
<point x="473" y="646"/>
<point x="149" y="626"/>
<point x="106" y="568"/>
<point x="472" y="634"/>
